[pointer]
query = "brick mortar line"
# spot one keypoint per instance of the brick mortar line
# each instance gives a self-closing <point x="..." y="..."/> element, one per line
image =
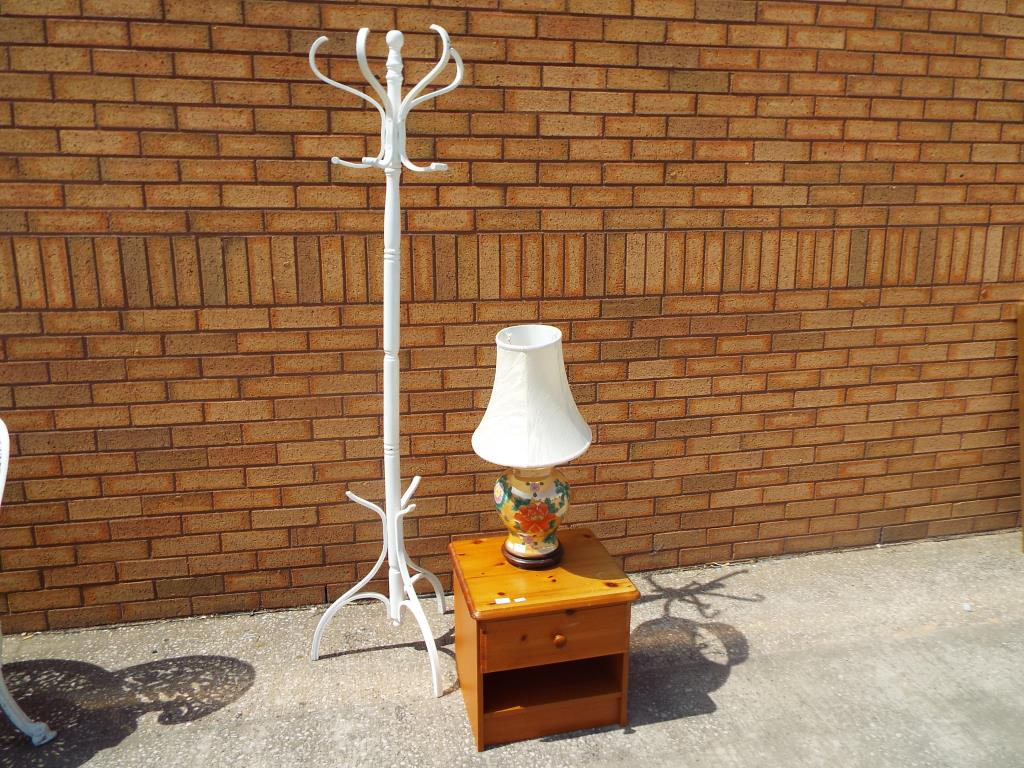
<point x="636" y="44"/>
<point x="506" y="88"/>
<point x="476" y="300"/>
<point x="562" y="208"/>
<point x="551" y="232"/>
<point x="124" y="232"/>
<point x="253" y="80"/>
<point x="841" y="441"/>
<point x="690" y="377"/>
<point x="413" y="232"/>
<point x="1009" y="463"/>
<point x="374" y="392"/>
<point x="170" y="426"/>
<point x="710" y="434"/>
<point x="450" y="515"/>
<point x="374" y="184"/>
<point x="442" y="434"/>
<point x="505" y="62"/>
<point x="153" y="130"/>
<point x="655" y="398"/>
<point x="559" y="14"/>
<point x="590" y="139"/>
<point x="661" y="315"/>
<point x="193" y="308"/>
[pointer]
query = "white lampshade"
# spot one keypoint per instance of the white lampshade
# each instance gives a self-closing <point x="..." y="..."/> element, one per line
<point x="531" y="420"/>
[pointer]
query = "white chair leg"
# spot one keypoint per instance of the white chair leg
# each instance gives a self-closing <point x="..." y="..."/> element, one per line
<point x="40" y="733"/>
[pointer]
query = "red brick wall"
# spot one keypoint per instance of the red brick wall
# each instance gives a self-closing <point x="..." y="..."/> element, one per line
<point x="782" y="240"/>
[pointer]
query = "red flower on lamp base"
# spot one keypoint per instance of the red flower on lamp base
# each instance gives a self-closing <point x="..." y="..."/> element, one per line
<point x="531" y="504"/>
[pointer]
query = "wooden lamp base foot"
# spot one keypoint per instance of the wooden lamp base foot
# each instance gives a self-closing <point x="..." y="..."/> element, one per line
<point x="550" y="560"/>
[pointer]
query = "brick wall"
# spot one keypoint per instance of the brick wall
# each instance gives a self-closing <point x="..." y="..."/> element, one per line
<point x="783" y="241"/>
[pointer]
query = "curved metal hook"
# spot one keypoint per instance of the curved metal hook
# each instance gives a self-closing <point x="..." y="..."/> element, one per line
<point x="413" y="485"/>
<point x="456" y="81"/>
<point x="446" y="48"/>
<point x="347" y="88"/>
<point x="423" y="168"/>
<point x="368" y="162"/>
<point x="368" y="504"/>
<point x="364" y="32"/>
<point x="413" y="98"/>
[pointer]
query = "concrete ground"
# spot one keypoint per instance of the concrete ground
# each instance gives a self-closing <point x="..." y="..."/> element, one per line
<point x="903" y="656"/>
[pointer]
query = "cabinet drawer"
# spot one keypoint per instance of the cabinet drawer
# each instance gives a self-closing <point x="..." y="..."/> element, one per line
<point x="552" y="637"/>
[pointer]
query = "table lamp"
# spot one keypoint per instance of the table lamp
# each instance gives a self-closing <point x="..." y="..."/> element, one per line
<point x="531" y="425"/>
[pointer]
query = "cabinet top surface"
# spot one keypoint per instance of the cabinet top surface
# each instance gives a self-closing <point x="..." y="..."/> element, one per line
<point x="586" y="577"/>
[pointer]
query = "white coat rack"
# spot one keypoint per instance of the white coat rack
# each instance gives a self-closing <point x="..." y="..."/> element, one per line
<point x="394" y="111"/>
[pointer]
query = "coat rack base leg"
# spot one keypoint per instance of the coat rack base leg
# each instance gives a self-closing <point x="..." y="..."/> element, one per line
<point x="404" y="583"/>
<point x="412" y="602"/>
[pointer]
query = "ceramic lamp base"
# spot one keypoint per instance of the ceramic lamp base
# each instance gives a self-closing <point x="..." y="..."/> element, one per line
<point x="531" y="503"/>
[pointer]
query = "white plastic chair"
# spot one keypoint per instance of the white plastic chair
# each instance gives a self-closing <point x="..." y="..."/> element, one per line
<point x="40" y="733"/>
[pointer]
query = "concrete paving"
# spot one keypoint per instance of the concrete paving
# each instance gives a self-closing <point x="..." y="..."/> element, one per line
<point x="905" y="656"/>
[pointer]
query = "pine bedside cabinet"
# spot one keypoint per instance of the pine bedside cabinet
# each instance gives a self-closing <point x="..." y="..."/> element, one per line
<point x="541" y="652"/>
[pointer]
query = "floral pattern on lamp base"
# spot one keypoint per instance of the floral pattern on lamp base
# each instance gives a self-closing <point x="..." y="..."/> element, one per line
<point x="531" y="503"/>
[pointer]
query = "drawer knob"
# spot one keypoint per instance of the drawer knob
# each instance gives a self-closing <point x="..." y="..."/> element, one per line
<point x="558" y="640"/>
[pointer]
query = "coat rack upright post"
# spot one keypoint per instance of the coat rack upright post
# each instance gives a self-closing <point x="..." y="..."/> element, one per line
<point x="392" y="157"/>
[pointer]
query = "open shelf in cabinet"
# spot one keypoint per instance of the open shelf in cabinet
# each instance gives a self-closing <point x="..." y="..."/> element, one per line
<point x="518" y="689"/>
<point x="553" y="698"/>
